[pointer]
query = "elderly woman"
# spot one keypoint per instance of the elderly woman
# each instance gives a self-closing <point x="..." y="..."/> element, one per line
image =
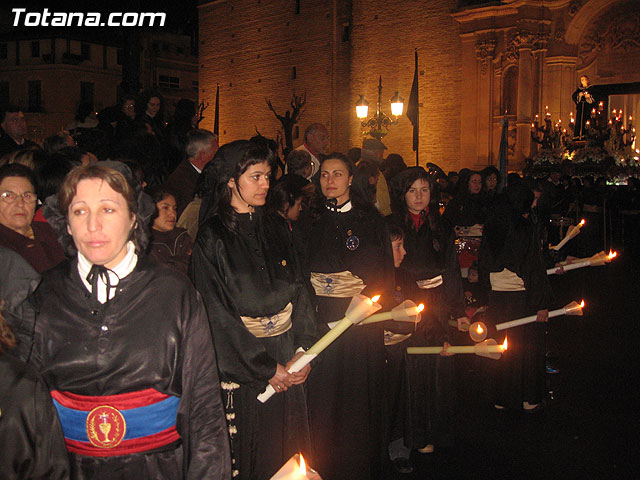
<point x="32" y="445"/>
<point x="260" y="313"/>
<point x="349" y="253"/>
<point x="131" y="368"/>
<point x="35" y="241"/>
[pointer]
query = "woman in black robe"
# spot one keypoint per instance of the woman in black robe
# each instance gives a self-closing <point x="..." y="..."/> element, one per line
<point x="245" y="267"/>
<point x="349" y="253"/>
<point x="432" y="262"/>
<point x="511" y="262"/>
<point x="123" y="343"/>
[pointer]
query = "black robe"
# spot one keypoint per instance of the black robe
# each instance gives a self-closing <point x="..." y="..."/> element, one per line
<point x="152" y="334"/>
<point x="519" y="375"/>
<point x="429" y="401"/>
<point x="583" y="108"/>
<point x="32" y="443"/>
<point x="255" y="273"/>
<point x="346" y="388"/>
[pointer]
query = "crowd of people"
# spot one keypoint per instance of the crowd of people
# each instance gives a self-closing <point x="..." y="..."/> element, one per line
<point x="154" y="285"/>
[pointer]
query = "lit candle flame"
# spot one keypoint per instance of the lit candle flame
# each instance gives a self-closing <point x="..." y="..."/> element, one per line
<point x="421" y="307"/>
<point x="582" y="304"/>
<point x="505" y="344"/>
<point x="612" y="254"/>
<point x="582" y="222"/>
<point x="375" y="299"/>
<point x="303" y="466"/>
<point x="479" y="329"/>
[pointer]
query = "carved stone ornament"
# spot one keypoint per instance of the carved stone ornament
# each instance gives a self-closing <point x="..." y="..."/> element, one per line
<point x="484" y="54"/>
<point x="617" y="29"/>
<point x="574" y="6"/>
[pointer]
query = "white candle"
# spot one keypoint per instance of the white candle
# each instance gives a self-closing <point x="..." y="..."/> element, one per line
<point x="407" y="311"/>
<point x="359" y="308"/>
<point x="489" y="348"/>
<point x="597" y="260"/>
<point x="573" y="308"/>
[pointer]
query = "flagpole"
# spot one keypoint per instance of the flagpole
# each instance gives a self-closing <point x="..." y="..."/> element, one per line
<point x="413" y="110"/>
<point x="216" y="121"/>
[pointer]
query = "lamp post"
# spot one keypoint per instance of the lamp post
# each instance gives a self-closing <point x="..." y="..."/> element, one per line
<point x="378" y="125"/>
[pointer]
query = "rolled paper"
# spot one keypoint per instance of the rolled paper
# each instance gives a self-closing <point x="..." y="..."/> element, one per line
<point x="489" y="348"/>
<point x="360" y="307"/>
<point x="596" y="260"/>
<point x="407" y="311"/>
<point x="572" y="232"/>
<point x="296" y="469"/>
<point x="573" y="308"/>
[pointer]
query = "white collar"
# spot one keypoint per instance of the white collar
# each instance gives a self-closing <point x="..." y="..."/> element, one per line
<point x="343" y="209"/>
<point x="124" y="268"/>
<point x="196" y="168"/>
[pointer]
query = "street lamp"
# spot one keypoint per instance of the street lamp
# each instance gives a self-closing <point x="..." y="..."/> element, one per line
<point x="378" y="124"/>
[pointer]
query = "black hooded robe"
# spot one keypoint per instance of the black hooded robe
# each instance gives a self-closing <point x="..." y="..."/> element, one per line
<point x="346" y="387"/>
<point x="255" y="273"/>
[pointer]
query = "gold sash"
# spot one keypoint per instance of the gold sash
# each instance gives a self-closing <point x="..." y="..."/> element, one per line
<point x="340" y="284"/>
<point x="391" y="338"/>
<point x="270" y="326"/>
<point x="506" y="281"/>
<point x="430" y="282"/>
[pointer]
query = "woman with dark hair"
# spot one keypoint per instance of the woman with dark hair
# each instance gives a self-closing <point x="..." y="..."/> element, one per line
<point x="286" y="197"/>
<point x="349" y="253"/>
<point x="170" y="244"/>
<point x="511" y="258"/>
<point x="432" y="262"/>
<point x="259" y="310"/>
<point x="467" y="207"/>
<point x="150" y="112"/>
<point x="491" y="181"/>
<point x="131" y="368"/>
<point x="35" y="241"/>
<point x="466" y="213"/>
<point x="32" y="443"/>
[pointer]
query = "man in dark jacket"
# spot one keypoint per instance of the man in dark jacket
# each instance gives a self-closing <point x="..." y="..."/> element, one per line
<point x="200" y="147"/>
<point x="14" y="130"/>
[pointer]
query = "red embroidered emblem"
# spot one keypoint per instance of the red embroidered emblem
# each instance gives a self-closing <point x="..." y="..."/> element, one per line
<point x="105" y="427"/>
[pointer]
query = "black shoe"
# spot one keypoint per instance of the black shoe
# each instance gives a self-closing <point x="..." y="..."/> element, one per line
<point x="402" y="465"/>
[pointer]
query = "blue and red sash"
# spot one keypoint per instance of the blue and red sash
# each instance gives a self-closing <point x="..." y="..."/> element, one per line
<point x="123" y="424"/>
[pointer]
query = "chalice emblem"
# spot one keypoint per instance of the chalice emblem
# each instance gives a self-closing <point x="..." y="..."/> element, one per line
<point x="105" y="426"/>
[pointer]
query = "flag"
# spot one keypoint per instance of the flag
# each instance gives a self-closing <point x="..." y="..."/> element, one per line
<point x="502" y="155"/>
<point x="216" y="121"/>
<point x="413" y="108"/>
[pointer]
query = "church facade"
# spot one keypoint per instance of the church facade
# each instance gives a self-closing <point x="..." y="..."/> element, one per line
<point x="478" y="63"/>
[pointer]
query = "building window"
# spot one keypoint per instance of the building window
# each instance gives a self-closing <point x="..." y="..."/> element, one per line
<point x="194" y="84"/>
<point x="35" y="49"/>
<point x="86" y="93"/>
<point x="35" y="95"/>
<point x="85" y="51"/>
<point x="165" y="81"/>
<point x="294" y="73"/>
<point x="4" y="94"/>
<point x="3" y="50"/>
<point x="120" y="56"/>
<point x="297" y="6"/>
